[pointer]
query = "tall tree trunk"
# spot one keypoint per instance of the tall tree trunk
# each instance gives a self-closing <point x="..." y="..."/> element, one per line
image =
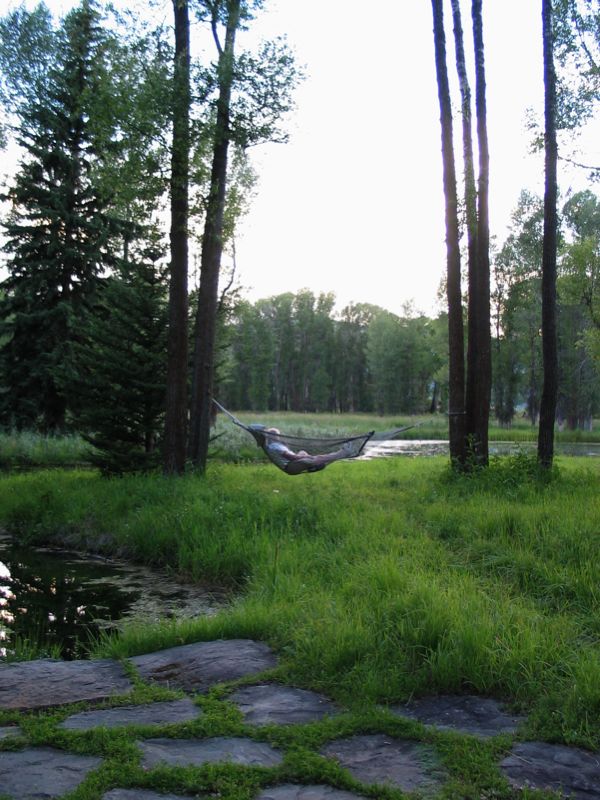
<point x="478" y="415"/>
<point x="455" y="320"/>
<point x="471" y="220"/>
<point x="176" y="399"/>
<point x="212" y="249"/>
<point x="549" y="337"/>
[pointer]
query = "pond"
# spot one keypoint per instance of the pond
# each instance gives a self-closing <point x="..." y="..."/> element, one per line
<point x="60" y="598"/>
<point x="429" y="447"/>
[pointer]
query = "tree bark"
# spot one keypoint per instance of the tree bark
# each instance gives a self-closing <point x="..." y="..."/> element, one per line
<point x="212" y="249"/>
<point x="545" y="451"/>
<point x="453" y="287"/>
<point x="478" y="410"/>
<point x="470" y="194"/>
<point x="176" y="400"/>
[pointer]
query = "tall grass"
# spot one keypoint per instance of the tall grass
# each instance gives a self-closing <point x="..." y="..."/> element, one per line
<point x="27" y="449"/>
<point x="373" y="580"/>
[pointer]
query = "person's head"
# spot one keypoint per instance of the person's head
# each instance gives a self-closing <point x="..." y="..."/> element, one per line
<point x="272" y="430"/>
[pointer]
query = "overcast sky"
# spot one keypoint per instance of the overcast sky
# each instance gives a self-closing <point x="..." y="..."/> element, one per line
<point x="353" y="203"/>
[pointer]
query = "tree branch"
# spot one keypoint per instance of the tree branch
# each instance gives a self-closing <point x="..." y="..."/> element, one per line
<point x="578" y="164"/>
<point x="215" y="32"/>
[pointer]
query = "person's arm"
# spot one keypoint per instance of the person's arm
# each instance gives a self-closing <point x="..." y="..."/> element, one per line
<point x="284" y="451"/>
<point x="292" y="455"/>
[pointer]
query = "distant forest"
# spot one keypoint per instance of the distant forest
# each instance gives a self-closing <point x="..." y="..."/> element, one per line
<point x="294" y="352"/>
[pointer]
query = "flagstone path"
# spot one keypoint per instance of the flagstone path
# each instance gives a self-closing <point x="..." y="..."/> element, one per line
<point x="37" y="772"/>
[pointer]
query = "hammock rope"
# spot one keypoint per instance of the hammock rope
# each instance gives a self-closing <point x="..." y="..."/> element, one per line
<point x="297" y="454"/>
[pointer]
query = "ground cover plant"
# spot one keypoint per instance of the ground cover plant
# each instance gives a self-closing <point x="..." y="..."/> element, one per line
<point x="374" y="581"/>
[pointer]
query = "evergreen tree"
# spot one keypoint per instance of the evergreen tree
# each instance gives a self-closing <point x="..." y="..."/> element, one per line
<point x="120" y="387"/>
<point x="59" y="235"/>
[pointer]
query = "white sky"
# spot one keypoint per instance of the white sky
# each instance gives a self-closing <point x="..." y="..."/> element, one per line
<point x="353" y="203"/>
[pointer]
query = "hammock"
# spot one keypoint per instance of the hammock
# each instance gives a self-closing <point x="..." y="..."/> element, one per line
<point x="285" y="451"/>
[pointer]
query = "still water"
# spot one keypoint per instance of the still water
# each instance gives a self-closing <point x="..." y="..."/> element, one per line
<point x="428" y="447"/>
<point x="54" y="597"/>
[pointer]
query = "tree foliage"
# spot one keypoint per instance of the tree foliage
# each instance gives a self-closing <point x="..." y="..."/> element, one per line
<point x="118" y="391"/>
<point x="59" y="234"/>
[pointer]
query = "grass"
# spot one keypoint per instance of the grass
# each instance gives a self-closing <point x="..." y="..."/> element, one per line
<point x="26" y="450"/>
<point x="374" y="581"/>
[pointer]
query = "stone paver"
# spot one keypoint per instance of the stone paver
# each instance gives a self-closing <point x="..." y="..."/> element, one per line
<point x="47" y="683"/>
<point x="197" y="667"/>
<point x="479" y="716"/>
<point x="43" y="772"/>
<point x="140" y="794"/>
<point x="164" y="713"/>
<point x="570" y="770"/>
<point x="384" y="760"/>
<point x="10" y="730"/>
<point x="290" y="791"/>
<point x="273" y="704"/>
<point x="195" y="752"/>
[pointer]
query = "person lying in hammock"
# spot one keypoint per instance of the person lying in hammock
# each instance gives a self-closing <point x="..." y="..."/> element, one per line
<point x="294" y="462"/>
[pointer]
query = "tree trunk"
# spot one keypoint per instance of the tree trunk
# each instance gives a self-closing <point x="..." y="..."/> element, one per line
<point x="212" y="249"/>
<point x="545" y="451"/>
<point x="176" y="399"/>
<point x="478" y="413"/>
<point x="473" y="356"/>
<point x="455" y="320"/>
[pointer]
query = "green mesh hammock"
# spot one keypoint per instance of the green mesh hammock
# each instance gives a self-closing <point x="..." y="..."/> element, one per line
<point x="297" y="454"/>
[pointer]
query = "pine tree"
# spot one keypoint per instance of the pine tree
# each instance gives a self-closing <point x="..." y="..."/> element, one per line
<point x="119" y="392"/>
<point x="58" y="235"/>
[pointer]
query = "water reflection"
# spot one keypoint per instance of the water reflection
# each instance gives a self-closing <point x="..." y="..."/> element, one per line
<point x="55" y="598"/>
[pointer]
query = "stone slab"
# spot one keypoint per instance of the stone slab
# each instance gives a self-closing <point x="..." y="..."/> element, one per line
<point x="291" y="791"/>
<point x="10" y="730"/>
<point x="554" y="767"/>
<point x="379" y="759"/>
<point x="43" y="772"/>
<point x="479" y="716"/>
<point x="274" y="704"/>
<point x="140" y="794"/>
<point x="195" y="752"/>
<point x="47" y="683"/>
<point x="196" y="667"/>
<point x="163" y="713"/>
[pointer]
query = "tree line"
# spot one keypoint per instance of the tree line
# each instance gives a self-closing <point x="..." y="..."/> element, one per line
<point x="120" y="126"/>
<point x="295" y="352"/>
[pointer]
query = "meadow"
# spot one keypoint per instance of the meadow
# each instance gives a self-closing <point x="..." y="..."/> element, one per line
<point x="378" y="579"/>
<point x="374" y="581"/>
